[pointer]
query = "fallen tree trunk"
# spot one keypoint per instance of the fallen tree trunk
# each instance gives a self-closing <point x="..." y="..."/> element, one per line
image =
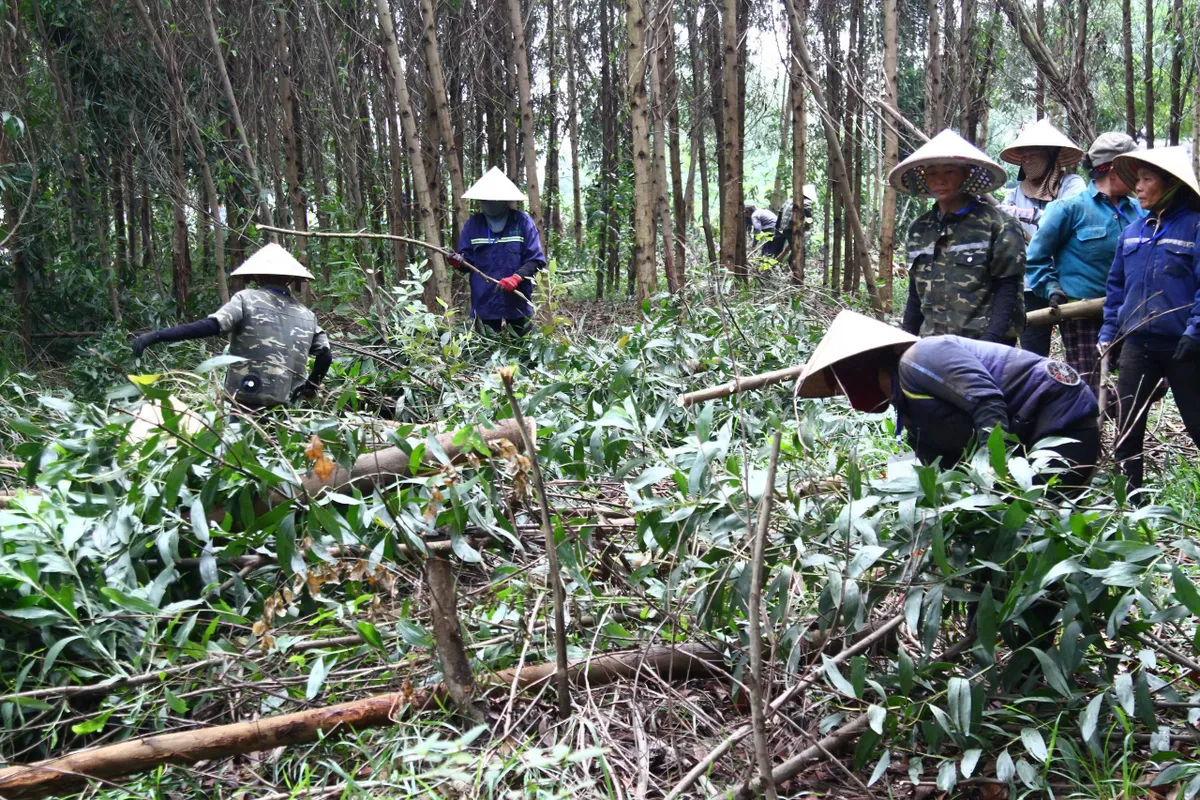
<point x="737" y="385"/>
<point x="1081" y="309"/>
<point x="71" y="772"/>
<point x="372" y="470"/>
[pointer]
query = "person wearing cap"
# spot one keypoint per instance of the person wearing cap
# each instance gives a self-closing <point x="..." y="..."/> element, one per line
<point x="503" y="244"/>
<point x="1069" y="256"/>
<point x="1153" y="299"/>
<point x="1046" y="159"/>
<point x="966" y="259"/>
<point x="949" y="391"/>
<point x="269" y="328"/>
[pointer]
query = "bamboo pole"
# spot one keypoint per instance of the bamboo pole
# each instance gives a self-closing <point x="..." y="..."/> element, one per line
<point x="71" y="772"/>
<point x="1081" y="309"/>
<point x="738" y="385"/>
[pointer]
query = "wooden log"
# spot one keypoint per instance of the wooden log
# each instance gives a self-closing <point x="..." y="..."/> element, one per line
<point x="372" y="470"/>
<point x="747" y="384"/>
<point x="71" y="772"/>
<point x="1081" y="309"/>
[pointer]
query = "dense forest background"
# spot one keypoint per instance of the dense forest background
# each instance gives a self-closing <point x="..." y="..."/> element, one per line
<point x="145" y="146"/>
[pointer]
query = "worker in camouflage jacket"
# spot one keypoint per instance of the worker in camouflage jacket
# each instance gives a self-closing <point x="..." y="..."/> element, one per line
<point x="269" y="328"/>
<point x="966" y="260"/>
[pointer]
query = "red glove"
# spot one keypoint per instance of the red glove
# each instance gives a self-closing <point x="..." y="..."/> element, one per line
<point x="510" y="283"/>
<point x="456" y="261"/>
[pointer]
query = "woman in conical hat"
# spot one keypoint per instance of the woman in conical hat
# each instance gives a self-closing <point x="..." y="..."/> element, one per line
<point x="1047" y="159"/>
<point x="504" y="244"/>
<point x="268" y="327"/>
<point x="1153" y="298"/>
<point x="966" y="260"/>
<point x="949" y="391"/>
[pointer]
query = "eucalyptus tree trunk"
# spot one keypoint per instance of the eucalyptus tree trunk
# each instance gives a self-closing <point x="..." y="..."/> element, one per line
<point x="799" y="146"/>
<point x="524" y="89"/>
<point x="429" y="225"/>
<point x="891" y="153"/>
<point x="699" y="148"/>
<point x="181" y="258"/>
<point x="670" y="79"/>
<point x="645" y="274"/>
<point x="1177" y="47"/>
<point x="1039" y="97"/>
<point x="659" y="102"/>
<point x="732" y="199"/>
<point x="293" y="149"/>
<point x="933" y="71"/>
<point x="1131" y="126"/>
<point x="1148" y="68"/>
<point x="966" y="71"/>
<point x="573" y="128"/>
<point x="437" y="81"/>
<point x="785" y="118"/>
<point x="552" y="211"/>
<point x="264" y="209"/>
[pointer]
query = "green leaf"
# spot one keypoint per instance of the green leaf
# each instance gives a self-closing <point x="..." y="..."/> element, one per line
<point x="836" y="678"/>
<point x="316" y="678"/>
<point x="1035" y="745"/>
<point x="997" y="453"/>
<point x="939" y="552"/>
<point x="947" y="776"/>
<point x="370" y="634"/>
<point x="875" y="716"/>
<point x="1005" y="768"/>
<point x="174" y="701"/>
<point x="216" y="362"/>
<point x="1053" y="672"/>
<point x="1090" y="717"/>
<point x="1142" y="702"/>
<point x="959" y="697"/>
<point x="128" y="602"/>
<point x="94" y="725"/>
<point x="907" y="670"/>
<point x="881" y="767"/>
<point x="1185" y="591"/>
<point x="1123" y="686"/>
<point x="985" y="623"/>
<point x="969" y="761"/>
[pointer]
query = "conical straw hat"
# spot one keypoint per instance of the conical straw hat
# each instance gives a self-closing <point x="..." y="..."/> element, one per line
<point x="947" y="147"/>
<point x="1174" y="161"/>
<point x="495" y="185"/>
<point x="272" y="259"/>
<point x="1043" y="134"/>
<point x="851" y="334"/>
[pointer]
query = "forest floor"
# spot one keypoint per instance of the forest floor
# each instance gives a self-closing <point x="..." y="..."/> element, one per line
<point x="123" y="557"/>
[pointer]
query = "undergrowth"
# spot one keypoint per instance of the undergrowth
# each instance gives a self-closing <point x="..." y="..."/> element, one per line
<point x="1045" y="648"/>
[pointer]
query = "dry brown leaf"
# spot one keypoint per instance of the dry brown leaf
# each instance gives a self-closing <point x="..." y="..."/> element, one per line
<point x="315" y="449"/>
<point x="323" y="468"/>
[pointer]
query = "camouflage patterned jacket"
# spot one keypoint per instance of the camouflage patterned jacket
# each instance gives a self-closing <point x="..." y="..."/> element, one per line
<point x="275" y="334"/>
<point x="957" y="264"/>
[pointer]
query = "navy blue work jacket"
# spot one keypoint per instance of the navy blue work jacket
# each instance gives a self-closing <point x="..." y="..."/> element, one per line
<point x="1154" y="285"/>
<point x="947" y="389"/>
<point x="499" y="255"/>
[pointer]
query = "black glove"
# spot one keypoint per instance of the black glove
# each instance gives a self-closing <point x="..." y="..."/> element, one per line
<point x="140" y="343"/>
<point x="1057" y="299"/>
<point x="305" y="391"/>
<point x="1188" y="348"/>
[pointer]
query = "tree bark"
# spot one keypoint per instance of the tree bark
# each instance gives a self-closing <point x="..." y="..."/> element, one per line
<point x="1177" y="47"/>
<point x="799" y="153"/>
<point x="292" y="145"/>
<point x="552" y="211"/>
<point x="643" y="199"/>
<point x="891" y="153"/>
<point x="1039" y="92"/>
<point x="732" y="202"/>
<point x="573" y="128"/>
<point x="429" y="224"/>
<point x="662" y="203"/>
<point x="447" y="634"/>
<point x="670" y="79"/>
<point x="181" y="259"/>
<point x="1131" y="126"/>
<point x="933" y="71"/>
<point x="437" y="80"/>
<point x="699" y="150"/>
<point x="264" y="209"/>
<point x="835" y="157"/>
<point x="1148" y="69"/>
<point x="525" y="92"/>
<point x="966" y="68"/>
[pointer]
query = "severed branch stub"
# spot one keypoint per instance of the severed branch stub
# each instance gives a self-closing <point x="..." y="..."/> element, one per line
<point x="560" y="629"/>
<point x="737" y="385"/>
<point x="447" y="634"/>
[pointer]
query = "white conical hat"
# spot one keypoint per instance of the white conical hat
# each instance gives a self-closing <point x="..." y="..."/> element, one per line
<point x="947" y="147"/>
<point x="1174" y="161"/>
<point x="851" y="334"/>
<point x="495" y="185"/>
<point x="272" y="259"/>
<point x="1043" y="134"/>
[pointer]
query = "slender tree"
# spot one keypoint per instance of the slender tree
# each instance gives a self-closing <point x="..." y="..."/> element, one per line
<point x="573" y="127"/>
<point x="799" y="149"/>
<point x="732" y="202"/>
<point x="933" y="71"/>
<point x="525" y="92"/>
<point x="1131" y="126"/>
<point x="891" y="152"/>
<point x="1148" y="69"/>
<point x="643" y="179"/>
<point x="1177" y="47"/>
<point x="437" y="86"/>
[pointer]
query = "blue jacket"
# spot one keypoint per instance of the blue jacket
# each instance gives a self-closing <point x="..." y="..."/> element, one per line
<point x="947" y="389"/>
<point x="1154" y="284"/>
<point x="1075" y="242"/>
<point x="517" y="248"/>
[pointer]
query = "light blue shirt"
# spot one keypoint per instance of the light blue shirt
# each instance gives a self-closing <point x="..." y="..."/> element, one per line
<point x="1075" y="244"/>
<point x="1070" y="185"/>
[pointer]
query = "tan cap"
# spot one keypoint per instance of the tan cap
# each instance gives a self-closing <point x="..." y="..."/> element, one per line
<point x="1175" y="161"/>
<point x="851" y="334"/>
<point x="1108" y="146"/>
<point x="272" y="260"/>
<point x="495" y="185"/>
<point x="947" y="147"/>
<point x="1042" y="134"/>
